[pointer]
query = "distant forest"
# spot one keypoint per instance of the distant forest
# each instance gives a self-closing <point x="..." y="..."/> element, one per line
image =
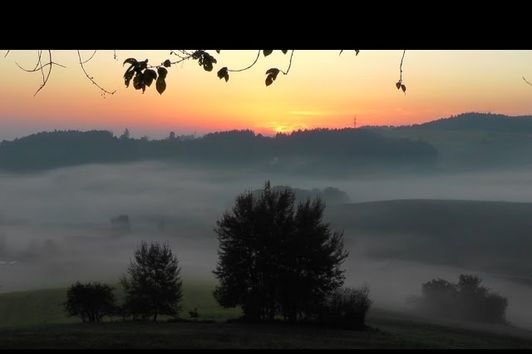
<point x="343" y="148"/>
<point x="487" y="122"/>
<point x="469" y="141"/>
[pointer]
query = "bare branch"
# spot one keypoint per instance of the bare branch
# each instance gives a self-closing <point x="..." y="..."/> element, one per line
<point x="182" y="58"/>
<point x="289" y="64"/>
<point x="40" y="67"/>
<point x="92" y="56"/>
<point x="184" y="54"/>
<point x="45" y="80"/>
<point x="39" y="64"/>
<point x="525" y="80"/>
<point x="81" y="63"/>
<point x="248" y="67"/>
<point x="401" y="67"/>
<point x="7" y="52"/>
<point x="399" y="84"/>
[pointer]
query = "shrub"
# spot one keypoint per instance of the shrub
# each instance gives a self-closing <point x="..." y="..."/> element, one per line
<point x="465" y="300"/>
<point x="90" y="301"/>
<point x="346" y="308"/>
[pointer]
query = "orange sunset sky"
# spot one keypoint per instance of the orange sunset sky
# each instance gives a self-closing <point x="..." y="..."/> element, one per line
<point x="322" y="89"/>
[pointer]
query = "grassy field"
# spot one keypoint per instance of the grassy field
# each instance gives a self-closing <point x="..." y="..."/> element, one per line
<point x="41" y="307"/>
<point x="34" y="319"/>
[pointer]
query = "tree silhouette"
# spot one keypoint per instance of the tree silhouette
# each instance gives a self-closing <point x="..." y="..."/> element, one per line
<point x="143" y="75"/>
<point x="347" y="308"/>
<point x="467" y="300"/>
<point x="153" y="283"/>
<point x="276" y="259"/>
<point x="90" y="301"/>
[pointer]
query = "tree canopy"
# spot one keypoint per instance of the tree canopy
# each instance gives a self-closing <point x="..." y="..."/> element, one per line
<point x="467" y="300"/>
<point x="90" y="301"/>
<point x="153" y="282"/>
<point x="276" y="258"/>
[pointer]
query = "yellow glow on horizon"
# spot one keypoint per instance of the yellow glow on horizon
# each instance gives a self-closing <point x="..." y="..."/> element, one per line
<point x="322" y="89"/>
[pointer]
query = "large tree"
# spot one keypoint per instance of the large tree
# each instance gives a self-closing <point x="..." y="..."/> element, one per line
<point x="276" y="258"/>
<point x="153" y="283"/>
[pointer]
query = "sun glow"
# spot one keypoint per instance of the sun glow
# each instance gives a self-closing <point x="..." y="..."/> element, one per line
<point x="198" y="101"/>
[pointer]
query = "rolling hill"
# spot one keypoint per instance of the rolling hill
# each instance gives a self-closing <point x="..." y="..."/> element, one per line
<point x="484" y="235"/>
<point x="473" y="141"/>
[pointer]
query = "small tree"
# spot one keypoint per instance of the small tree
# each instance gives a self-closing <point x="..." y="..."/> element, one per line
<point x="90" y="301"/>
<point x="153" y="283"/>
<point x="275" y="259"/>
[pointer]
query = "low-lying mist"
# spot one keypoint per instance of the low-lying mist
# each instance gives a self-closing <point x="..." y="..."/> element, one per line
<point x="55" y="227"/>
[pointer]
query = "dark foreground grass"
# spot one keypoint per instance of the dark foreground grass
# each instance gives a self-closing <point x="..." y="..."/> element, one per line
<point x="35" y="319"/>
<point x="195" y="335"/>
<point x="237" y="335"/>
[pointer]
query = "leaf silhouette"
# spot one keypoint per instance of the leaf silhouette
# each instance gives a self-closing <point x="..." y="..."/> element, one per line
<point x="271" y="75"/>
<point x="162" y="72"/>
<point x="160" y="85"/>
<point x="131" y="61"/>
<point x="149" y="76"/>
<point x="267" y="52"/>
<point x="128" y="76"/>
<point x="272" y="71"/>
<point x="223" y="74"/>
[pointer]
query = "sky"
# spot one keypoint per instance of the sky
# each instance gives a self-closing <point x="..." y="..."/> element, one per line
<point x="322" y="89"/>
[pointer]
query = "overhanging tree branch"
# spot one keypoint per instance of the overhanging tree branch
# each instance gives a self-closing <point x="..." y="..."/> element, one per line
<point x="289" y="64"/>
<point x="399" y="84"/>
<point x="82" y="64"/>
<point x="143" y="74"/>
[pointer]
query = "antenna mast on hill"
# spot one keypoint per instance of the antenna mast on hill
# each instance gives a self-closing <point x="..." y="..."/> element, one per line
<point x="355" y="122"/>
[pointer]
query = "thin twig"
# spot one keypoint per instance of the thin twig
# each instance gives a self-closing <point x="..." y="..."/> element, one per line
<point x="90" y="77"/>
<point x="401" y="67"/>
<point x="182" y="58"/>
<point x="289" y="64"/>
<point x="40" y="67"/>
<point x="40" y="63"/>
<point x="248" y="67"/>
<point x="528" y="82"/>
<point x="184" y="54"/>
<point x="7" y="53"/>
<point x="92" y="56"/>
<point x="45" y="81"/>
